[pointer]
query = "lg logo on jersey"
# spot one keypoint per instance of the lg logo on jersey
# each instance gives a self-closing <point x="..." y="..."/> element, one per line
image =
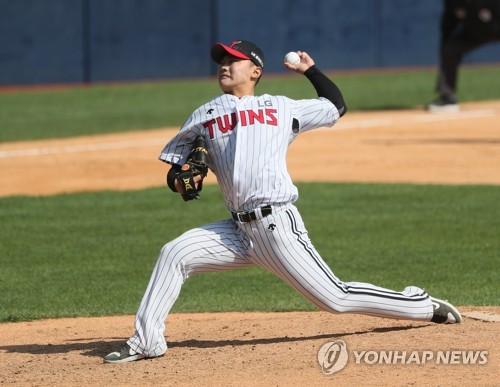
<point x="227" y="122"/>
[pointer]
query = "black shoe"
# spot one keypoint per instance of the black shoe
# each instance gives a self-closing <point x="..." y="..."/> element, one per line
<point x="443" y="105"/>
<point x="444" y="312"/>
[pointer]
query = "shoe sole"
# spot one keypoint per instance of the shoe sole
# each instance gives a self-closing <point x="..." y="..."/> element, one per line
<point x="125" y="360"/>
<point x="443" y="109"/>
<point x="454" y="311"/>
<point x="136" y="357"/>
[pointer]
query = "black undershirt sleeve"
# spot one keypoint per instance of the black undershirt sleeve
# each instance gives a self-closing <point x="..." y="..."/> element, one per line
<point x="326" y="88"/>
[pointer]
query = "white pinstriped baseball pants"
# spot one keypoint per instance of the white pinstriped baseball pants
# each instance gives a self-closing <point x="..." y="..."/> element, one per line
<point x="284" y="249"/>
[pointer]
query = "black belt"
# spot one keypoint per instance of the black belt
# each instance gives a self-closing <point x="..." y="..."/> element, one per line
<point x="246" y="217"/>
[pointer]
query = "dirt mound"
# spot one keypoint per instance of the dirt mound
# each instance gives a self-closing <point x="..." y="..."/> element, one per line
<point x="254" y="349"/>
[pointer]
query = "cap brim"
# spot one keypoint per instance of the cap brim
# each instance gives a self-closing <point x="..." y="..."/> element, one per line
<point x="220" y="50"/>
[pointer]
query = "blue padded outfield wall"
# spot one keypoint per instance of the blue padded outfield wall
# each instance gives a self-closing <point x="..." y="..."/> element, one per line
<point x="65" y="41"/>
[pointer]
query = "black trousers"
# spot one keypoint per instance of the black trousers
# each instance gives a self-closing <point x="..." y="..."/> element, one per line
<point x="451" y="53"/>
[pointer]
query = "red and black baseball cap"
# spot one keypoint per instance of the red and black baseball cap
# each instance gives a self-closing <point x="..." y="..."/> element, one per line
<point x="240" y="49"/>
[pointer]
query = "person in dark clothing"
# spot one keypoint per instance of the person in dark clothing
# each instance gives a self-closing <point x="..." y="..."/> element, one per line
<point x="465" y="26"/>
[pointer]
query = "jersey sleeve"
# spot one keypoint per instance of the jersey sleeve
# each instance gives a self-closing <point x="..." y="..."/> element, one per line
<point x="316" y="113"/>
<point x="177" y="149"/>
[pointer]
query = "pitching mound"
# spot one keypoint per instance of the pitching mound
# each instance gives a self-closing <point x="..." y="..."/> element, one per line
<point x="255" y="348"/>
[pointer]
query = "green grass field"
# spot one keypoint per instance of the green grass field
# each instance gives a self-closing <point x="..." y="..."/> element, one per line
<point x="97" y="109"/>
<point x="92" y="254"/>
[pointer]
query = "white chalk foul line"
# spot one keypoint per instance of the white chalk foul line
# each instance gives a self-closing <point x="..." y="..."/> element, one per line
<point x="79" y="148"/>
<point x="419" y="117"/>
<point x="455" y="115"/>
<point x="373" y="123"/>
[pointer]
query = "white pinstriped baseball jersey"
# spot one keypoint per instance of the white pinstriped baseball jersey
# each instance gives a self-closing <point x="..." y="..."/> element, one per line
<point x="247" y="140"/>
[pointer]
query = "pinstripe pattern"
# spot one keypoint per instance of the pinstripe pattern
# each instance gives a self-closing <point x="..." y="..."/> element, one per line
<point x="286" y="251"/>
<point x="215" y="247"/>
<point x="247" y="142"/>
<point x="250" y="159"/>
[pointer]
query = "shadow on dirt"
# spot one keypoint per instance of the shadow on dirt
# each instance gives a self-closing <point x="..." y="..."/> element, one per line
<point x="91" y="348"/>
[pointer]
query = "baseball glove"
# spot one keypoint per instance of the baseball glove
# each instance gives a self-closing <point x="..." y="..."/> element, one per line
<point x="196" y="165"/>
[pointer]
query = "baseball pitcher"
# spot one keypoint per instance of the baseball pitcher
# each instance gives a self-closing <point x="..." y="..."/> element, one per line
<point x="243" y="139"/>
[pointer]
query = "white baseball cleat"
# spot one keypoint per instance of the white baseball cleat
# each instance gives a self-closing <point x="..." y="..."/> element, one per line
<point x="444" y="312"/>
<point x="125" y="355"/>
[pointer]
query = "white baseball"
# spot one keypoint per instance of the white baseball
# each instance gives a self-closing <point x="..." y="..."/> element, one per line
<point x="292" y="57"/>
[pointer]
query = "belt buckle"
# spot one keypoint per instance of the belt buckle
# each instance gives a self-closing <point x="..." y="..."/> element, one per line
<point x="240" y="216"/>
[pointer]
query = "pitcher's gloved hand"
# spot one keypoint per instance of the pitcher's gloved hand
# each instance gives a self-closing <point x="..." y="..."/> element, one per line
<point x="196" y="165"/>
